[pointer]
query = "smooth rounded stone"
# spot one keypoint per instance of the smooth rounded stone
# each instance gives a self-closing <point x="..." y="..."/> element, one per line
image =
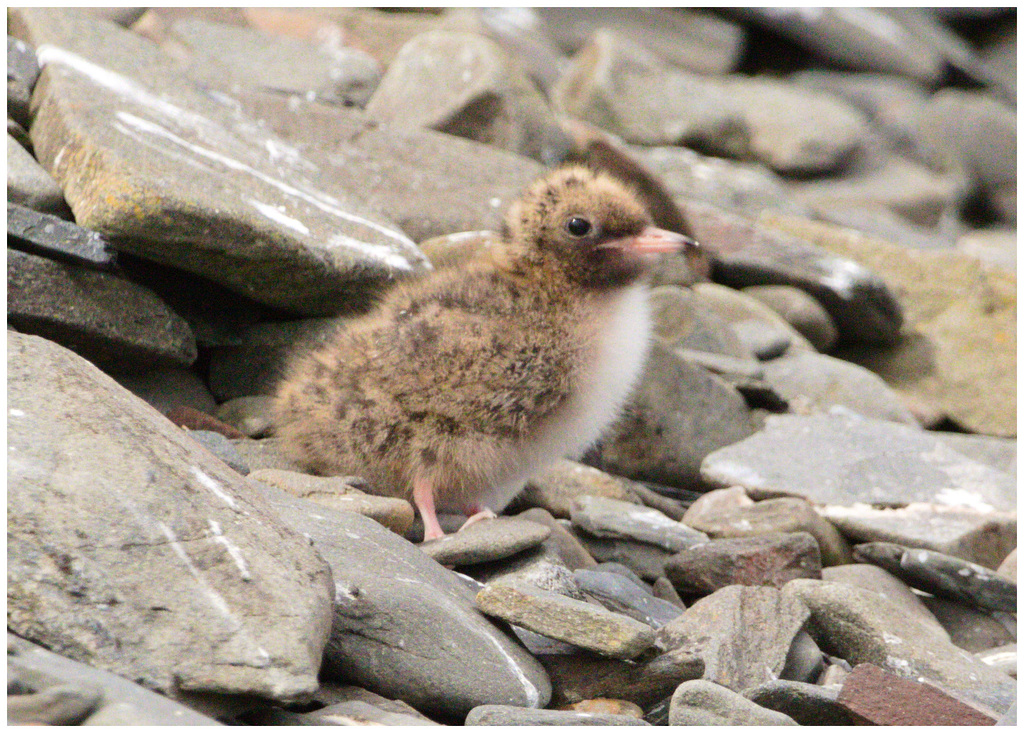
<point x="715" y="503"/>
<point x="887" y="585"/>
<point x="610" y="518"/>
<point x="994" y="246"/>
<point x="770" y="559"/>
<point x="430" y="183"/>
<point x="623" y="88"/>
<point x="254" y="366"/>
<point x="861" y="626"/>
<point x="229" y="58"/>
<point x="67" y="704"/>
<point x="646" y="560"/>
<point x="221" y="447"/>
<point x="342" y="493"/>
<point x="764" y="343"/>
<point x="84" y="311"/>
<point x="864" y="39"/>
<point x="985" y="538"/>
<point x="337" y="696"/>
<point x="252" y="416"/>
<point x="620" y="595"/>
<point x="22" y="73"/>
<point x="999" y="453"/>
<point x="683" y="320"/>
<point x="539" y="566"/>
<point x="465" y="84"/>
<point x="743" y="633"/>
<point x="486" y="541"/>
<point x="744" y="313"/>
<point x="562" y="541"/>
<point x="607" y="707"/>
<point x="508" y="715"/>
<point x="165" y="389"/>
<point x="795" y="131"/>
<point x="625" y="572"/>
<point x="194" y="176"/>
<point x="814" y="383"/>
<point x="557" y="487"/>
<point x="40" y="668"/>
<point x="746" y="188"/>
<point x="246" y="594"/>
<point x="785" y="514"/>
<point x="805" y="703"/>
<point x="28" y="184"/>
<point x="942" y="575"/>
<point x="668" y="501"/>
<point x="389" y="597"/>
<point x="805" y="661"/>
<point x="264" y="453"/>
<point x="690" y="39"/>
<point x="1002" y="658"/>
<point x="1008" y="567"/>
<point x="968" y="627"/>
<point x="702" y="702"/>
<point x="956" y="308"/>
<point x="584" y="676"/>
<point x="19" y="133"/>
<point x="586" y="625"/>
<point x="358" y="712"/>
<point x="844" y="460"/>
<point x="678" y="414"/>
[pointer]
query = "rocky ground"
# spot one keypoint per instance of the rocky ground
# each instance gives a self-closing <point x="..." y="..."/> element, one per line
<point x="806" y="514"/>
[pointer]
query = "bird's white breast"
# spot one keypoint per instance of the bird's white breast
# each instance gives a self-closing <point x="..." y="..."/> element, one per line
<point x="605" y="382"/>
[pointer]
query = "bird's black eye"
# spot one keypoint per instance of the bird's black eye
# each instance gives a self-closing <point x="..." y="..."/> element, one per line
<point x="578" y="226"/>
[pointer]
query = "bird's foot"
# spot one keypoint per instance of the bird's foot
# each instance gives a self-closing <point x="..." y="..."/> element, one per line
<point x="479" y="516"/>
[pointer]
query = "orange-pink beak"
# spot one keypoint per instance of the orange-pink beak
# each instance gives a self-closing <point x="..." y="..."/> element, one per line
<point x="652" y="240"/>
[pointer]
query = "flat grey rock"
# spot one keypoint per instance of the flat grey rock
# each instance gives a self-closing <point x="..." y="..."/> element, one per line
<point x="644" y="559"/>
<point x="585" y="625"/>
<point x="743" y="633"/>
<point x="507" y="715"/>
<point x="702" y="702"/>
<point x="999" y="453"/>
<point x="221" y="447"/>
<point x="801" y="311"/>
<point x="486" y="540"/>
<point x="942" y="575"/>
<point x="63" y="704"/>
<point x="845" y="460"/>
<point x="558" y="486"/>
<point x="201" y="187"/>
<point x="618" y="594"/>
<point x="28" y="184"/>
<point x="52" y="237"/>
<point x="85" y="311"/>
<point x="564" y="543"/>
<point x="39" y="667"/>
<point x="22" y="73"/>
<point x="247" y="596"/>
<point x="969" y="627"/>
<point x="861" y="626"/>
<point x="389" y="597"/>
<point x="603" y="517"/>
<point x="887" y="585"/>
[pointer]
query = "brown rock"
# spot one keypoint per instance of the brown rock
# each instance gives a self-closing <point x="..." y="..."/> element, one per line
<point x="193" y="419"/>
<point x="878" y="697"/>
<point x="605" y="706"/>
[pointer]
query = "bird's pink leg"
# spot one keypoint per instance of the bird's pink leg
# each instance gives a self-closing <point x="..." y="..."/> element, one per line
<point x="423" y="498"/>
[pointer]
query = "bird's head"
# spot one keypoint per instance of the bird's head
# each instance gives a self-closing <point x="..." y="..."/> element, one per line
<point x="591" y="224"/>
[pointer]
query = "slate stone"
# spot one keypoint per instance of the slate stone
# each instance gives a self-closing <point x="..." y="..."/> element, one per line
<point x="22" y="73"/>
<point x="748" y="252"/>
<point x="264" y="453"/>
<point x="221" y="447"/>
<point x="715" y="503"/>
<point x="970" y="628"/>
<point x="50" y="236"/>
<point x="956" y="308"/>
<point x="874" y="696"/>
<point x="67" y="704"/>
<point x="942" y="575"/>
<point x="785" y="514"/>
<point x="486" y="541"/>
<point x="561" y="540"/>
<point x="228" y="58"/>
<point x="623" y="596"/>
<point x="386" y="636"/>
<point x="603" y="517"/>
<point x="252" y="416"/>
<point x="702" y="702"/>
<point x="166" y="389"/>
<point x="465" y="84"/>
<point x="644" y="559"/>
<point x="507" y="715"/>
<point x="743" y="312"/>
<point x="337" y="696"/>
<point x="846" y="459"/>
<point x="985" y="538"/>
<point x="29" y="185"/>
<point x="678" y="414"/>
<point x="861" y="626"/>
<point x="586" y="625"/>
<point x="999" y="453"/>
<point x="245" y="595"/>
<point x="743" y="633"/>
<point x="245" y="213"/>
<point x="805" y="703"/>
<point x="887" y="585"/>
<point x="585" y="676"/>
<point x="769" y="559"/>
<point x="357" y="712"/>
<point x="805" y="661"/>
<point x="196" y="421"/>
<point x="85" y="311"/>
<point x="538" y="566"/>
<point x="558" y="486"/>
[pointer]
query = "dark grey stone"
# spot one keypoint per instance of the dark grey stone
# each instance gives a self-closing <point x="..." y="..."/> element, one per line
<point x="52" y="237"/>
<point x="647" y="561"/>
<point x="29" y="185"/>
<point x="486" y="541"/>
<point x="805" y="703"/>
<point x="702" y="702"/>
<point x="65" y="704"/>
<point x="22" y="72"/>
<point x="618" y="594"/>
<point x="221" y="447"/>
<point x="609" y="518"/>
<point x="968" y="627"/>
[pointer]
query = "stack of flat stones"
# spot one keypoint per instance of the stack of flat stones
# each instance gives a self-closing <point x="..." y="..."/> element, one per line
<point x="806" y="514"/>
